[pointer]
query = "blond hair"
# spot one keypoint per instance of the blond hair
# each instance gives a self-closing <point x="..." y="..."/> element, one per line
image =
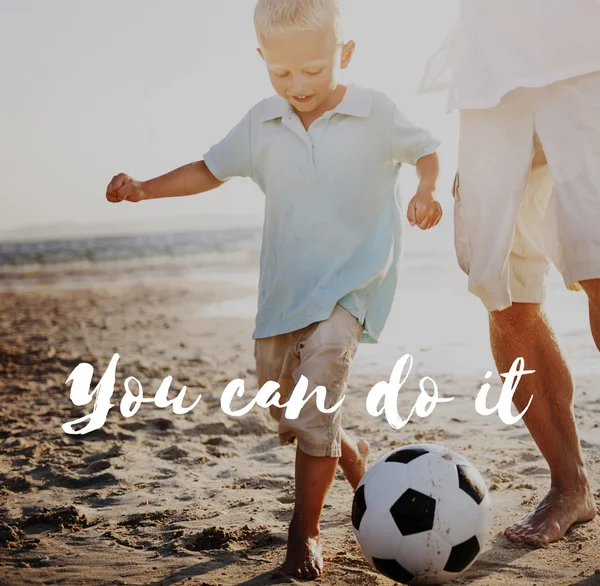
<point x="273" y="17"/>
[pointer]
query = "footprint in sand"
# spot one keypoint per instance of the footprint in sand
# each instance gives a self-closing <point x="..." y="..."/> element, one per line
<point x="15" y="483"/>
<point x="172" y="453"/>
<point x="59" y="517"/>
<point x="165" y="474"/>
<point x="221" y="538"/>
<point x="287" y="499"/>
<point x="535" y="471"/>
<point x="70" y="481"/>
<point x="114" y="452"/>
<point x="99" y="466"/>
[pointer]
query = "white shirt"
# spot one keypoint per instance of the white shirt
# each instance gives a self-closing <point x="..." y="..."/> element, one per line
<point x="500" y="45"/>
<point x="332" y="208"/>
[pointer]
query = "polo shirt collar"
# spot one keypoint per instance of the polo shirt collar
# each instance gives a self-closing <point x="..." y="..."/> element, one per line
<point x="356" y="102"/>
<point x="275" y="107"/>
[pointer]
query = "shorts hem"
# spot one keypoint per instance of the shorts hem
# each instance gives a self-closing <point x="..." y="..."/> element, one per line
<point x="333" y="450"/>
<point x="583" y="271"/>
<point x="528" y="295"/>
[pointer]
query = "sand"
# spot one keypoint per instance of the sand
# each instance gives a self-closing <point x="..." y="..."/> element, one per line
<point x="203" y="498"/>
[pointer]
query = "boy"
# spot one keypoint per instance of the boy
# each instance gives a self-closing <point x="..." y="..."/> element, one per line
<point x="327" y="158"/>
<point x="525" y="75"/>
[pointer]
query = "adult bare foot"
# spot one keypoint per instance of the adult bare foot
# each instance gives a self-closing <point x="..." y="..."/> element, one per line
<point x="553" y="516"/>
<point x="304" y="558"/>
<point x="354" y="461"/>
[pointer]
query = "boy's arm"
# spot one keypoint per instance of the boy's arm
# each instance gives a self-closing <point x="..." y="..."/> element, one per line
<point x="187" y="180"/>
<point x="428" y="170"/>
<point x="416" y="146"/>
<point x="424" y="210"/>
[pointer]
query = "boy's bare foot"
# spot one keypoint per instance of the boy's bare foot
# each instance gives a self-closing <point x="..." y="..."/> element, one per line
<point x="553" y="516"/>
<point x="304" y="558"/>
<point x="354" y="460"/>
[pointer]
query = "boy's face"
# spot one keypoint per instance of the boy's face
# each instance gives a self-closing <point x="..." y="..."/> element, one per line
<point x="303" y="66"/>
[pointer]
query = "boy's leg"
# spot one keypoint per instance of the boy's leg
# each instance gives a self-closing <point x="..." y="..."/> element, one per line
<point x="314" y="475"/>
<point x="326" y="351"/>
<point x="354" y="458"/>
<point x="276" y="360"/>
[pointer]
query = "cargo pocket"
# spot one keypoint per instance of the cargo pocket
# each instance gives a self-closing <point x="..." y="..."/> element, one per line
<point x="462" y="241"/>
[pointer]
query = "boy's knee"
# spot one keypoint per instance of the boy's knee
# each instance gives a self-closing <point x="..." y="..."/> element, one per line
<point x="275" y="412"/>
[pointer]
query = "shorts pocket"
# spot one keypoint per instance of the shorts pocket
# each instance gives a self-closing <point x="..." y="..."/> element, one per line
<point x="462" y="240"/>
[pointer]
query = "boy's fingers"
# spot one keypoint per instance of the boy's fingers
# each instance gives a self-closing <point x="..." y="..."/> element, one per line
<point x="411" y="213"/>
<point x="116" y="183"/>
<point x="120" y="180"/>
<point x="125" y="191"/>
<point x="425" y="224"/>
<point x="434" y="216"/>
<point x="111" y="196"/>
<point x="429" y="220"/>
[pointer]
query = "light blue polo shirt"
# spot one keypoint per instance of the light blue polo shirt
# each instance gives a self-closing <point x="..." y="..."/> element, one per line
<point x="332" y="207"/>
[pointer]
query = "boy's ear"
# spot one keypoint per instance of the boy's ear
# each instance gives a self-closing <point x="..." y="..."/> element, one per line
<point x="347" y="52"/>
<point x="259" y="51"/>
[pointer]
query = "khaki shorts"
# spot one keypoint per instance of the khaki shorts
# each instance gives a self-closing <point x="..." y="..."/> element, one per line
<point x="323" y="353"/>
<point x="528" y="191"/>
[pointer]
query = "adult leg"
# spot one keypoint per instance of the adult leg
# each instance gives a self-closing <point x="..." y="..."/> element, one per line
<point x="592" y="288"/>
<point x="523" y="330"/>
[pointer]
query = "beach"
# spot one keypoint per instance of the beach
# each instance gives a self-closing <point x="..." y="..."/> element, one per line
<point x="204" y="498"/>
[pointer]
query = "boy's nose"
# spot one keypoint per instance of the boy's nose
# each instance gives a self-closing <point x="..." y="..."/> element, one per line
<point x="298" y="86"/>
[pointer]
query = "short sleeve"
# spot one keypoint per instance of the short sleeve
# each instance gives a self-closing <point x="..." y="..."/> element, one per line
<point x="410" y="142"/>
<point x="231" y="157"/>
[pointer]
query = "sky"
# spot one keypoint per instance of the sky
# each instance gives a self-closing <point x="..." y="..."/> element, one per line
<point x="94" y="88"/>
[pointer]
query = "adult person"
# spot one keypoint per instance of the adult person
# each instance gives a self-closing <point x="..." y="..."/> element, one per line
<point x="525" y="76"/>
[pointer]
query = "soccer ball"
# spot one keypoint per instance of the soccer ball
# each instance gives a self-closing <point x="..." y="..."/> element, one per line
<point x="422" y="514"/>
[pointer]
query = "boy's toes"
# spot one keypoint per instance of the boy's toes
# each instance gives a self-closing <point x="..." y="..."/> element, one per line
<point x="280" y="573"/>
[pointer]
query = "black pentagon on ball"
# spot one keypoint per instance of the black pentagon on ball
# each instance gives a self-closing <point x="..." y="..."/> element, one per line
<point x="359" y="507"/>
<point x="462" y="555"/>
<point x="406" y="455"/>
<point x="470" y="484"/>
<point x="413" y="512"/>
<point x="393" y="570"/>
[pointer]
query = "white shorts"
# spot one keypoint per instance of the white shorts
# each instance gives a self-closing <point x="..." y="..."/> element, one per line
<point x="528" y="191"/>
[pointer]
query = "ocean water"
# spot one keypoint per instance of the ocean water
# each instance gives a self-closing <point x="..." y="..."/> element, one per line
<point x="67" y="252"/>
<point x="434" y="318"/>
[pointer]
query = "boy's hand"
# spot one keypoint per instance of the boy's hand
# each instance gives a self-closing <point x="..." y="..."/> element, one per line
<point x="424" y="210"/>
<point x="124" y="188"/>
